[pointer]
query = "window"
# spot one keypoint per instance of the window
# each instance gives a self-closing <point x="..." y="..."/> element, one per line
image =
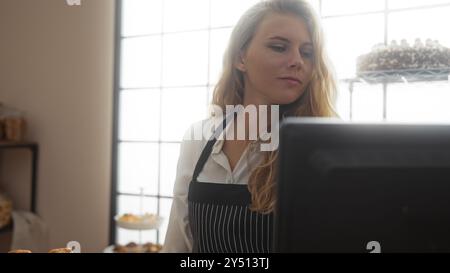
<point x="169" y="59"/>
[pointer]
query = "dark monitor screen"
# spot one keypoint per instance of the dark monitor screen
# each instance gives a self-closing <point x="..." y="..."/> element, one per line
<point x="347" y="187"/>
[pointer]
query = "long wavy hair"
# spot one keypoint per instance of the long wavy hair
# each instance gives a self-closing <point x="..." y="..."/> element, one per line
<point x="316" y="101"/>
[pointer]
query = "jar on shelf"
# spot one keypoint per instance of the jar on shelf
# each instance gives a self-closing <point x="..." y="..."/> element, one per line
<point x="12" y="124"/>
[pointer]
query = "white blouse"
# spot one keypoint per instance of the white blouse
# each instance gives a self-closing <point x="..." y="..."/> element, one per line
<point x="216" y="170"/>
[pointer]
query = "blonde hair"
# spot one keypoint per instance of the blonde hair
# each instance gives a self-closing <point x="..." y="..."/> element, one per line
<point x="317" y="100"/>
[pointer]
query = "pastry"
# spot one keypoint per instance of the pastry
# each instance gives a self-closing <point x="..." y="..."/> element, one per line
<point x="152" y="248"/>
<point x="55" y="250"/>
<point x="130" y="218"/>
<point x="135" y="248"/>
<point x="61" y="250"/>
<point x="133" y="218"/>
<point x="20" y="251"/>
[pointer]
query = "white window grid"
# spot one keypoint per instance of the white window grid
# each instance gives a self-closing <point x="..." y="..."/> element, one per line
<point x="153" y="201"/>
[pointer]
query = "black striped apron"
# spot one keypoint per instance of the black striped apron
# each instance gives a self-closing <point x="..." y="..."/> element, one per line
<point x="219" y="214"/>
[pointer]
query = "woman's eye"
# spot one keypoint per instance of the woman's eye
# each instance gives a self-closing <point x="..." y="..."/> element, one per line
<point x="278" y="48"/>
<point x="307" y="55"/>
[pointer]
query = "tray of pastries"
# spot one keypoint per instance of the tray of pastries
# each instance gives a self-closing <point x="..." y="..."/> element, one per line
<point x="134" y="248"/>
<point x="138" y="222"/>
<point x="55" y="250"/>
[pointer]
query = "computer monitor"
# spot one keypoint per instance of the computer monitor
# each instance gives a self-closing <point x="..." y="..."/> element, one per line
<point x="347" y="187"/>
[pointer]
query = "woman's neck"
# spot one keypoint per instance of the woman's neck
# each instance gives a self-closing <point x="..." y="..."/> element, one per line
<point x="259" y="103"/>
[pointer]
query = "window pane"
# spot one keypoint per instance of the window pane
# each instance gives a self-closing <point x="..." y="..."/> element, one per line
<point x="185" y="59"/>
<point x="316" y="5"/>
<point x="169" y="159"/>
<point x="133" y="204"/>
<point x="139" y="115"/>
<point x="333" y="7"/>
<point x="419" y="102"/>
<point x="219" y="43"/>
<point x="125" y="236"/>
<point x="141" y="17"/>
<point x="136" y="204"/>
<point x="396" y="4"/>
<point x="181" y="107"/>
<point x="185" y="15"/>
<point x="138" y="168"/>
<point x="350" y="37"/>
<point x="433" y="24"/>
<point x="227" y="13"/>
<point x="210" y="97"/>
<point x="368" y="103"/>
<point x="164" y="211"/>
<point x="141" y="62"/>
<point x="343" y="101"/>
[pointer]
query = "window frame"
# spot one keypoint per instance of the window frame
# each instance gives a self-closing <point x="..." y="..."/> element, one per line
<point x="117" y="88"/>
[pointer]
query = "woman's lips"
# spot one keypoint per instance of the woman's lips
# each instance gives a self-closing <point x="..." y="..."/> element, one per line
<point x="291" y="81"/>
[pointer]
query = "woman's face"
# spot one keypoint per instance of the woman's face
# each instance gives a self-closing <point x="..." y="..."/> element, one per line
<point x="278" y="62"/>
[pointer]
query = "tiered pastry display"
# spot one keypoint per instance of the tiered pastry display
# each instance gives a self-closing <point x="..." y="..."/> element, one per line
<point x="402" y="56"/>
<point x="137" y="222"/>
<point x="5" y="210"/>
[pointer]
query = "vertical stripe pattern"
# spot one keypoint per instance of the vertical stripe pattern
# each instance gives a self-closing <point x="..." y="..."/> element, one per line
<point x="229" y="229"/>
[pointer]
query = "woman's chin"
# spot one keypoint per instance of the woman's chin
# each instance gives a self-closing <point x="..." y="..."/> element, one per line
<point x="287" y="98"/>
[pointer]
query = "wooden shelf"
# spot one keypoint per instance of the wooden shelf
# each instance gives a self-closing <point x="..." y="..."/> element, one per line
<point x="16" y="144"/>
<point x="34" y="149"/>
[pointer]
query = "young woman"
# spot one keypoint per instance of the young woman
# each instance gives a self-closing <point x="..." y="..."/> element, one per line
<point x="225" y="190"/>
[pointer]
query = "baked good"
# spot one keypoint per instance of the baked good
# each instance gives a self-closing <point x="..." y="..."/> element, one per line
<point x="401" y="56"/>
<point x="133" y="218"/>
<point x="136" y="248"/>
<point x="129" y="248"/>
<point x="152" y="248"/>
<point x="20" y="251"/>
<point x="61" y="250"/>
<point x="55" y="250"/>
<point x="130" y="218"/>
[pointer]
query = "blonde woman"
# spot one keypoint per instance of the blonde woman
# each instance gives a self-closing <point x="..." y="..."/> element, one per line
<point x="225" y="189"/>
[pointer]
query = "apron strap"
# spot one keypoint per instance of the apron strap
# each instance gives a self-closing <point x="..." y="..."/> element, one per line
<point x="206" y="152"/>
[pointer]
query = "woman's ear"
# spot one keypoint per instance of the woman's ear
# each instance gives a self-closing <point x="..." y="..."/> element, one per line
<point x="240" y="63"/>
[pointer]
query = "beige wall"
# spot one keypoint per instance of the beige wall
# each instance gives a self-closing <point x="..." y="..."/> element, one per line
<point x="56" y="63"/>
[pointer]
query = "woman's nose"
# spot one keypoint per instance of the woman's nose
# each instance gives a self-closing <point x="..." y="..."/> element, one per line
<point x="296" y="60"/>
